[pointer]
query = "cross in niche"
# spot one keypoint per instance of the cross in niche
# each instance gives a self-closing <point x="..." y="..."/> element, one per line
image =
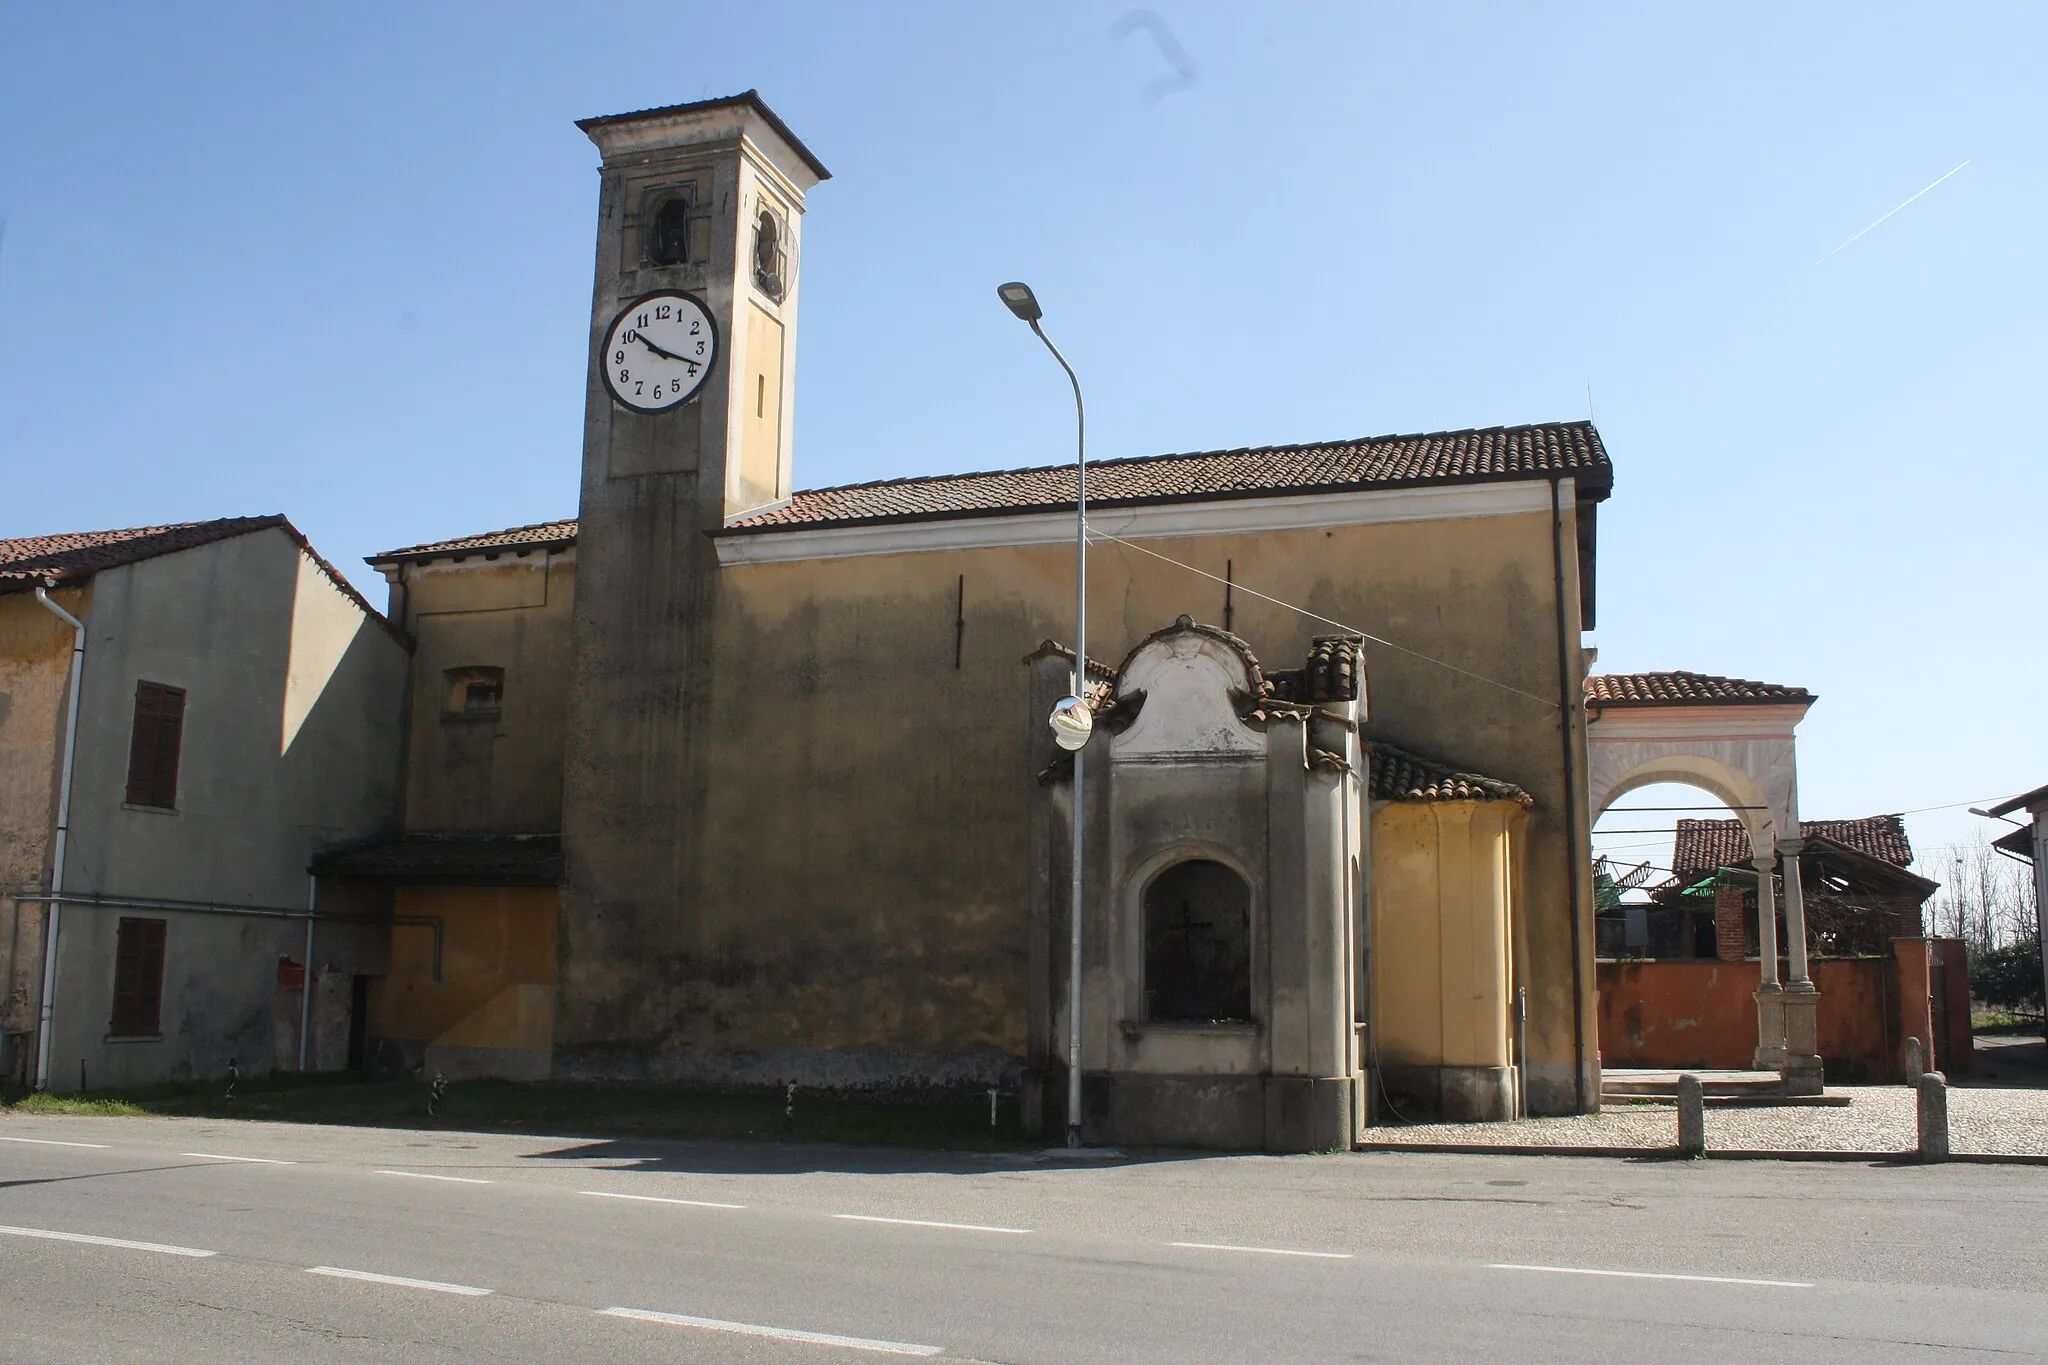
<point x="1188" y="928"/>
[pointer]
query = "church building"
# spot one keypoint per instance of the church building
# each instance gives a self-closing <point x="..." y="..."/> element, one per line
<point x="728" y="783"/>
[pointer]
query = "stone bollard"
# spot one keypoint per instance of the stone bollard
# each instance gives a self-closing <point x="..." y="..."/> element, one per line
<point x="1692" y="1117"/>
<point x="1914" y="1063"/>
<point x="1933" y="1114"/>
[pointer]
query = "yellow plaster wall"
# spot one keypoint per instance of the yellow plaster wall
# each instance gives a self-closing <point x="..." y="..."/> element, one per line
<point x="856" y="872"/>
<point x="35" y="669"/>
<point x="495" y="939"/>
<point x="502" y="775"/>
<point x="1443" y="931"/>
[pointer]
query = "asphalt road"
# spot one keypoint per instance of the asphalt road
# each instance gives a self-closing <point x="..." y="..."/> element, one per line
<point x="180" y="1240"/>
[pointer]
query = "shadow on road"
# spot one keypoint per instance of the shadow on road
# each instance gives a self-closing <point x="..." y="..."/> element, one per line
<point x="802" y="1158"/>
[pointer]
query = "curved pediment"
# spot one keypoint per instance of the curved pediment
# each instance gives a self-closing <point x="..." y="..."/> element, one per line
<point x="1194" y="680"/>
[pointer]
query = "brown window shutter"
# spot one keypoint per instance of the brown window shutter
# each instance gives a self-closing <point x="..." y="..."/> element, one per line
<point x="138" y="978"/>
<point x="154" y="745"/>
<point x="142" y="744"/>
<point x="170" y="739"/>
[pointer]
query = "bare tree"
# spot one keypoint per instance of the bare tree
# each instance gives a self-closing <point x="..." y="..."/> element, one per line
<point x="1986" y="899"/>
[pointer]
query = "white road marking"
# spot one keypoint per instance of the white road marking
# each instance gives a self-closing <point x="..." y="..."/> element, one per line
<point x="122" y="1242"/>
<point x="1263" y="1251"/>
<point x="1652" y="1275"/>
<point x="749" y="1329"/>
<point x="399" y="1280"/>
<point x="927" y="1223"/>
<point x="254" y="1160"/>
<point x="660" y="1199"/>
<point x="52" y="1142"/>
<point x="457" y="1179"/>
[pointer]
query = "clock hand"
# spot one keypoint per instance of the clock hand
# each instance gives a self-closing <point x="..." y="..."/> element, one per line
<point x="641" y="337"/>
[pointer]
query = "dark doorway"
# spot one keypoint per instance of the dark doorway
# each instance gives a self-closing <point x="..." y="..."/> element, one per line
<point x="358" y="1023"/>
<point x="1198" y="958"/>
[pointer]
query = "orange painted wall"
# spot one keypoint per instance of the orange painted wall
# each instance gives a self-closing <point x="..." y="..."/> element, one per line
<point x="1703" y="1015"/>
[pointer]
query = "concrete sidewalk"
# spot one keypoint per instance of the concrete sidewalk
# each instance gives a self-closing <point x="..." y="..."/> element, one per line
<point x="1982" y="1121"/>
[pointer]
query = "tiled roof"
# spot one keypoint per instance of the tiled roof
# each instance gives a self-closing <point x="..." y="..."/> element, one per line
<point x="1398" y="775"/>
<point x="548" y="533"/>
<point x="74" y="556"/>
<point x="1335" y="671"/>
<point x="1495" y="454"/>
<point x="1703" y="845"/>
<point x="468" y="859"/>
<point x="1686" y="689"/>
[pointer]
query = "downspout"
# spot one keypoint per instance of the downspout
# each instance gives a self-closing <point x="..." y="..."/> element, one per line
<point x="1565" y="703"/>
<point x="49" y="1004"/>
<point x="306" y="986"/>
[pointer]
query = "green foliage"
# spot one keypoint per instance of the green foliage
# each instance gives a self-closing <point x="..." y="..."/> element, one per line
<point x="2008" y="977"/>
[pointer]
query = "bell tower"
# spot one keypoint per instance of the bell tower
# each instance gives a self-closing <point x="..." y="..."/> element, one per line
<point x="707" y="199"/>
<point x="703" y="201"/>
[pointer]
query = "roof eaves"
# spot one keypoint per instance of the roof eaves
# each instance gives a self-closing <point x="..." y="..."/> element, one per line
<point x="750" y="98"/>
<point x="742" y="528"/>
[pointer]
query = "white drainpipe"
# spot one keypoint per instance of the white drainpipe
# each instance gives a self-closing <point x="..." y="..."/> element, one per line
<point x="43" y="1028"/>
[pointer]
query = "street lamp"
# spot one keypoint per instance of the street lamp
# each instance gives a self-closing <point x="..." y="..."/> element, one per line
<point x="1072" y="720"/>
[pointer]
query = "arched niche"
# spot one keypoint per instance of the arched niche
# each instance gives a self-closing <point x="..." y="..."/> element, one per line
<point x="1198" y="943"/>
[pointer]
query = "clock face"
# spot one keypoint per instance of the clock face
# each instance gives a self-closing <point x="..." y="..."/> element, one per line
<point x="658" y="351"/>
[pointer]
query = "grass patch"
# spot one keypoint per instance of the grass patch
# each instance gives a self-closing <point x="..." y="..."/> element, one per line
<point x="2005" y="1022"/>
<point x="559" y="1107"/>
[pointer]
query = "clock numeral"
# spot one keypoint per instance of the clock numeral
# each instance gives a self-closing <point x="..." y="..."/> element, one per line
<point x="675" y="386"/>
<point x="625" y="377"/>
<point x="640" y="321"/>
<point x="638" y="386"/>
<point x="618" y="357"/>
<point x="700" y="348"/>
<point x="661" y="311"/>
<point x="693" y="368"/>
<point x="629" y="338"/>
<point x="696" y="326"/>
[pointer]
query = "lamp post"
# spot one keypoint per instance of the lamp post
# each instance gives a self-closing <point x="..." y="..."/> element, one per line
<point x="1072" y="720"/>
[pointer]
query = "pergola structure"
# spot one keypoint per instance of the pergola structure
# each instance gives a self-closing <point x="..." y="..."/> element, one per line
<point x="1732" y="738"/>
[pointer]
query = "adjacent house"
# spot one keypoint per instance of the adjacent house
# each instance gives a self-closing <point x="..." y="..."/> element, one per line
<point x="187" y="714"/>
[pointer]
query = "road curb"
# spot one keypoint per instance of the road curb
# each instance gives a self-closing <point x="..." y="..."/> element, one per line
<point x="1906" y="1158"/>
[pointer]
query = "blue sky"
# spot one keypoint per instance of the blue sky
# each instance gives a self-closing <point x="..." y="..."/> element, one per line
<point x="334" y="261"/>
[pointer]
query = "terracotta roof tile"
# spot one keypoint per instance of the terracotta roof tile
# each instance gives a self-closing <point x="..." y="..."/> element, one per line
<point x="1703" y="845"/>
<point x="548" y="533"/>
<point x="1398" y="775"/>
<point x="1489" y="455"/>
<point x="1687" y="689"/>
<point x="74" y="556"/>
<point x="1494" y="454"/>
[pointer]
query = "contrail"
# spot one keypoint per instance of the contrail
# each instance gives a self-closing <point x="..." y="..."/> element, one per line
<point x="1965" y="162"/>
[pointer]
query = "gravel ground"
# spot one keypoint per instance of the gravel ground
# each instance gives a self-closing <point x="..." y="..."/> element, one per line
<point x="1878" y="1118"/>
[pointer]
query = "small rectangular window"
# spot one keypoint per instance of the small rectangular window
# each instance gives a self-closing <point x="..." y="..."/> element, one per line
<point x="138" y="979"/>
<point x="473" y="693"/>
<point x="153" y="745"/>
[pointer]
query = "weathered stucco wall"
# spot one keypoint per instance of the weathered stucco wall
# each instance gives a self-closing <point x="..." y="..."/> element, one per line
<point x="497" y="774"/>
<point x="496" y="990"/>
<point x="1703" y="1014"/>
<point x="816" y="822"/>
<point x="291" y="744"/>
<point x="35" y="666"/>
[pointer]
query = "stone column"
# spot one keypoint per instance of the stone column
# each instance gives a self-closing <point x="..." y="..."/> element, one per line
<point x="1770" y="998"/>
<point x="1802" y="1065"/>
